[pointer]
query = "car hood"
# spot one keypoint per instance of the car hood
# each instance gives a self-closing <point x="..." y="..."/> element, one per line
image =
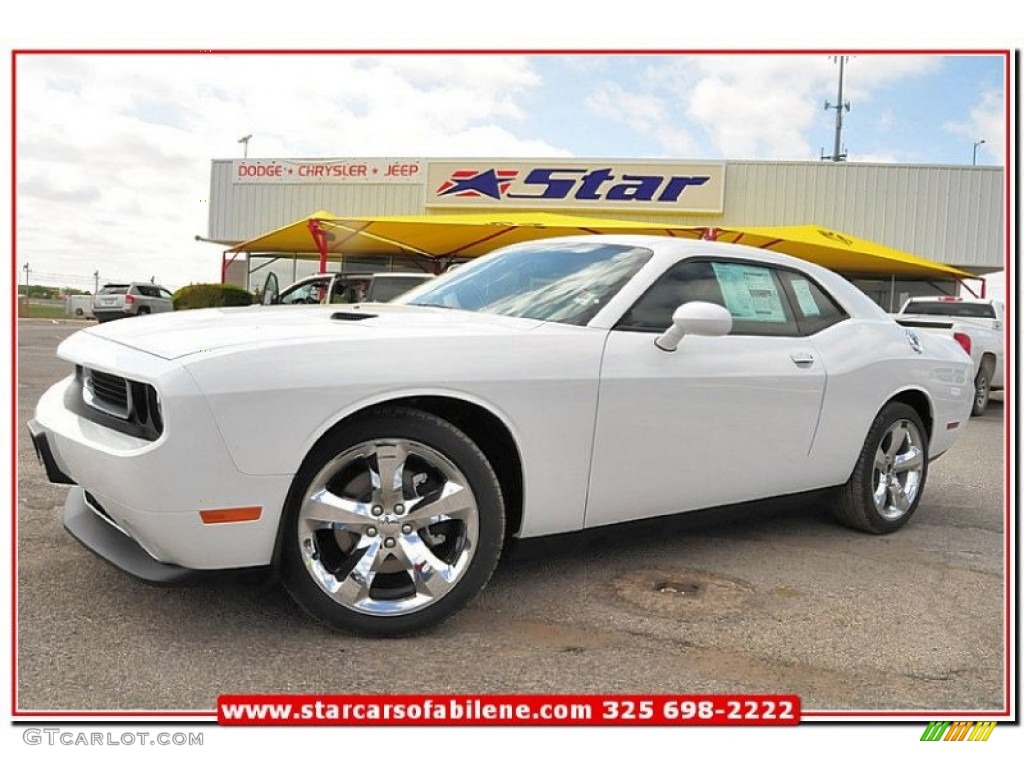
<point x="178" y="334"/>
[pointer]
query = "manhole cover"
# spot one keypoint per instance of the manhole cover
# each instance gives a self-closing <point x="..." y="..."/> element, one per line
<point x="682" y="593"/>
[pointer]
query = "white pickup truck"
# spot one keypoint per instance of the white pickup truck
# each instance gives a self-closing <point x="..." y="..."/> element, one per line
<point x="977" y="324"/>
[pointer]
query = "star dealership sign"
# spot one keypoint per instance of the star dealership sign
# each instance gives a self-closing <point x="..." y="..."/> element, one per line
<point x="546" y="184"/>
<point x="557" y="184"/>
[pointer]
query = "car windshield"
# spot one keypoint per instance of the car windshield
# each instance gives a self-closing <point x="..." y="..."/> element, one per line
<point x="561" y="282"/>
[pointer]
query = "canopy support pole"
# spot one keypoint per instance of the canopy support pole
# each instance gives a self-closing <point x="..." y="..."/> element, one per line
<point x="892" y="291"/>
<point x="225" y="263"/>
<point x="966" y="287"/>
<point x="320" y="238"/>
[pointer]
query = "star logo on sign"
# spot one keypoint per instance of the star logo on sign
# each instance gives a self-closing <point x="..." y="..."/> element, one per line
<point x="490" y="183"/>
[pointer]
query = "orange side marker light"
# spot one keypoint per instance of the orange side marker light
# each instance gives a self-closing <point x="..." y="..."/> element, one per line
<point x="230" y="515"/>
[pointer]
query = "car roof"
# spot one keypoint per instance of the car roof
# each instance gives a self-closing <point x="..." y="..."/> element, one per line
<point x="852" y="298"/>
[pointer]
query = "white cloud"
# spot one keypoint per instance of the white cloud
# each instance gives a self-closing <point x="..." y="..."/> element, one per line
<point x="756" y="107"/>
<point x="987" y="120"/>
<point x="647" y="114"/>
<point x="113" y="153"/>
<point x="753" y="106"/>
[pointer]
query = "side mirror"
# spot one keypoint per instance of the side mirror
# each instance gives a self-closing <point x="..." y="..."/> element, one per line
<point x="698" y="318"/>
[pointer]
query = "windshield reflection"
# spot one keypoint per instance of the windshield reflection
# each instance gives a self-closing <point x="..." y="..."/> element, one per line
<point x="565" y="282"/>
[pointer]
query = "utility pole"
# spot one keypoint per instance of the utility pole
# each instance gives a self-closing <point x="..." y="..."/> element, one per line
<point x="96" y="282"/>
<point x="838" y="155"/>
<point x="245" y="142"/>
<point x="26" y="278"/>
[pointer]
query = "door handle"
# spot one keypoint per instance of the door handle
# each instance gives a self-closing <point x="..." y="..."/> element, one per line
<point x="802" y="358"/>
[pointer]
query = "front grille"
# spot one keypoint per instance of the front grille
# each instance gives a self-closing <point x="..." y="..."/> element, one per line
<point x="131" y="407"/>
<point x="108" y="393"/>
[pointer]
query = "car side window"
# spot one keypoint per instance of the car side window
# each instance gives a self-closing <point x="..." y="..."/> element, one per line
<point x="815" y="310"/>
<point x="165" y="294"/>
<point x="752" y="293"/>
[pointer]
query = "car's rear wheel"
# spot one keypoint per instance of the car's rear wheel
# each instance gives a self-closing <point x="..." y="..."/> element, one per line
<point x="888" y="480"/>
<point x="393" y="523"/>
<point x="143" y="310"/>
<point x="982" y="390"/>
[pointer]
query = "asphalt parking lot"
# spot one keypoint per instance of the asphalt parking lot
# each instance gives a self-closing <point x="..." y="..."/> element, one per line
<point x="769" y="598"/>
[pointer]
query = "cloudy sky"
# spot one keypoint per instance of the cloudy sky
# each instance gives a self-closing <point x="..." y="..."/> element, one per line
<point x="113" y="151"/>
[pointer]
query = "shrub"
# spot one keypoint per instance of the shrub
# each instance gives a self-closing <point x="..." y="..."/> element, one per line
<point x="200" y="295"/>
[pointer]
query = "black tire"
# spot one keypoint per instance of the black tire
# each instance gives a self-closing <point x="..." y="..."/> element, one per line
<point x="982" y="390"/>
<point x="893" y="461"/>
<point x="143" y="311"/>
<point x="352" y="555"/>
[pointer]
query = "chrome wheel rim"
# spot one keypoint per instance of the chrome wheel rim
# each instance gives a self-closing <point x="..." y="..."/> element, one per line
<point x="898" y="470"/>
<point x="388" y="527"/>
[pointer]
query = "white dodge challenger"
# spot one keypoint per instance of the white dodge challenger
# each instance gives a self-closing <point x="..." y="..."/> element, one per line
<point x="379" y="455"/>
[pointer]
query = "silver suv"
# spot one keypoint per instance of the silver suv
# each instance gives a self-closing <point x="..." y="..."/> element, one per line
<point x="116" y="300"/>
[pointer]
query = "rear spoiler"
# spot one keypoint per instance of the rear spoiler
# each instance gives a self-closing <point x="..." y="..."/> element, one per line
<point x="913" y="322"/>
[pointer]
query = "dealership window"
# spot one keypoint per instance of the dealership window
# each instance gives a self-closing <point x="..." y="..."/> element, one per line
<point x="753" y="294"/>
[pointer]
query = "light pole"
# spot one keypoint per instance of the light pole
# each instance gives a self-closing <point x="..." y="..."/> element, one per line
<point x="245" y="142"/>
<point x="974" y="157"/>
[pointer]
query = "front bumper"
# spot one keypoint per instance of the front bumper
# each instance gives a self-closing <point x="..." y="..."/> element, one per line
<point x="84" y="521"/>
<point x="153" y="493"/>
<point x="45" y="455"/>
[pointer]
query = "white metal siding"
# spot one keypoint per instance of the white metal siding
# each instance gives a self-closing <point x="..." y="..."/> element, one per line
<point x="951" y="214"/>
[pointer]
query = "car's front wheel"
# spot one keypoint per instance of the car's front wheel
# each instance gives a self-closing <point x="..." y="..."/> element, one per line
<point x="393" y="523"/>
<point x="888" y="480"/>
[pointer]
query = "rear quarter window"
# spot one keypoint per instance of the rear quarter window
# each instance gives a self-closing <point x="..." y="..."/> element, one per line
<point x="815" y="309"/>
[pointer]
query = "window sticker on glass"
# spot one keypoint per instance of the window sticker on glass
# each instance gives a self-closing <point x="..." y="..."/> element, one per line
<point x="805" y="298"/>
<point x="750" y="292"/>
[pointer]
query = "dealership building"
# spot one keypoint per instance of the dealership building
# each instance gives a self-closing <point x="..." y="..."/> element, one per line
<point x="953" y="215"/>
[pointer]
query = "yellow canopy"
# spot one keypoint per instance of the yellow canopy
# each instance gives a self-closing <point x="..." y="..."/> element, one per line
<point x="291" y="238"/>
<point x="838" y="251"/>
<point x="466" y="235"/>
<point x="471" y="235"/>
